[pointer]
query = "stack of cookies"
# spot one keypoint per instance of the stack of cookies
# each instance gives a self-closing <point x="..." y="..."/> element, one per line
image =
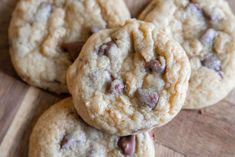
<point x="126" y="76"/>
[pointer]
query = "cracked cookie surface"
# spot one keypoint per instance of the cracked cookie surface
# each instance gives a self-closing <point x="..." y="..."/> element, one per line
<point x="206" y="30"/>
<point x="43" y="33"/>
<point x="60" y="132"/>
<point x="129" y="79"/>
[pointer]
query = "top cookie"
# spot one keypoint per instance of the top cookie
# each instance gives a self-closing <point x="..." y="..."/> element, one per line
<point x="43" y="32"/>
<point x="61" y="133"/>
<point x="129" y="79"/>
<point x="206" y="30"/>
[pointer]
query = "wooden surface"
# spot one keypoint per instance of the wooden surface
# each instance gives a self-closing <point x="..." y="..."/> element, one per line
<point x="206" y="133"/>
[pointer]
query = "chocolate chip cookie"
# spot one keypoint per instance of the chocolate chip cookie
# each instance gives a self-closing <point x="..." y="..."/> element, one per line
<point x="46" y="36"/>
<point x="129" y="79"/>
<point x="206" y="30"/>
<point x="61" y="133"/>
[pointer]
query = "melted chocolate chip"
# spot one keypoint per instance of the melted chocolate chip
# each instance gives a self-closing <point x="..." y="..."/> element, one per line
<point x="212" y="16"/>
<point x="117" y="87"/>
<point x="156" y="65"/>
<point x="127" y="144"/>
<point x="195" y="9"/>
<point x="67" y="142"/>
<point x="208" y="37"/>
<point x="148" y="97"/>
<point x="212" y="62"/>
<point x="105" y="48"/>
<point x="73" y="48"/>
<point x="63" y="142"/>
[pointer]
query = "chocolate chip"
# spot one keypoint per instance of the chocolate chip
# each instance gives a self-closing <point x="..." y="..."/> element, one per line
<point x="148" y="97"/>
<point x="105" y="48"/>
<point x="63" y="142"/>
<point x="117" y="87"/>
<point x="195" y="9"/>
<point x="67" y="142"/>
<point x="127" y="144"/>
<point x="73" y="48"/>
<point x="155" y="65"/>
<point x="208" y="37"/>
<point x="212" y="62"/>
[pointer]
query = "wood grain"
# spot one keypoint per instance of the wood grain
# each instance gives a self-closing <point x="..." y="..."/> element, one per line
<point x="12" y="92"/>
<point x="6" y="8"/>
<point x="206" y="133"/>
<point x="33" y="105"/>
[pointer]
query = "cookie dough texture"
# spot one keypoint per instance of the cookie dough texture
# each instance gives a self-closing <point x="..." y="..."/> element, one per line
<point x="61" y="122"/>
<point x="39" y="27"/>
<point x="206" y="30"/>
<point x="117" y="84"/>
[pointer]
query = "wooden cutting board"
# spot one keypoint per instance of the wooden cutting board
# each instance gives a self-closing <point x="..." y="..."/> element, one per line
<point x="206" y="133"/>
